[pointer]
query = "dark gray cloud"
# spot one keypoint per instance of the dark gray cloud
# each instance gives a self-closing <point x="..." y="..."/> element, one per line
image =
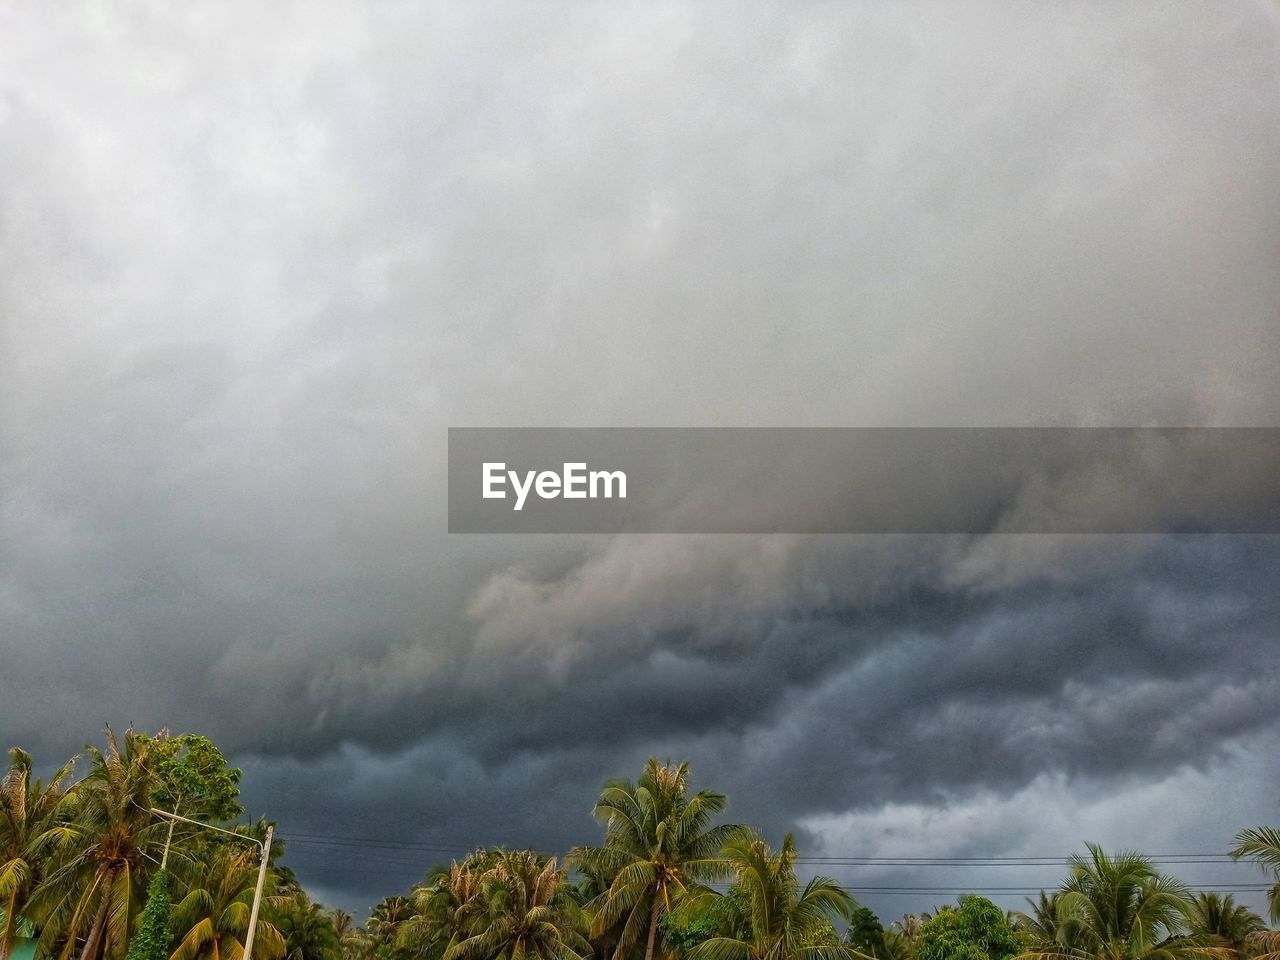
<point x="257" y="259"/>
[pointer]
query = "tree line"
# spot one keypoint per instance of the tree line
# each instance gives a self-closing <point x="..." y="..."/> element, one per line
<point x="89" y="870"/>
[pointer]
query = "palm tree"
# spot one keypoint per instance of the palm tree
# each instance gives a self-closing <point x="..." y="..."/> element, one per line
<point x="1221" y="921"/>
<point x="211" y="918"/>
<point x="100" y="878"/>
<point x="659" y="849"/>
<point x="439" y="905"/>
<point x="1263" y="845"/>
<point x="786" y="922"/>
<point x="387" y="921"/>
<point x="897" y="946"/>
<point x="909" y="927"/>
<point x="341" y="922"/>
<point x="1041" y="924"/>
<point x="1264" y="945"/>
<point x="30" y="826"/>
<point x="307" y="929"/>
<point x="344" y="927"/>
<point x="1119" y="908"/>
<point x="521" y="909"/>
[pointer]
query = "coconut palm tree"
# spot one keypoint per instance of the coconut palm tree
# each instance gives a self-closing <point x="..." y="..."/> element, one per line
<point x="1263" y="845"/>
<point x="211" y="916"/>
<point x="30" y="827"/>
<point x="341" y="921"/>
<point x="521" y="909"/>
<point x="787" y="921"/>
<point x="104" y="854"/>
<point x="1219" y="920"/>
<point x="1120" y="908"/>
<point x="307" y="929"/>
<point x="897" y="946"/>
<point x="909" y="927"/>
<point x="439" y="905"/>
<point x="659" y="849"/>
<point x="1264" y="945"/>
<point x="1040" y="925"/>
<point x="351" y="938"/>
<point x="386" y="927"/>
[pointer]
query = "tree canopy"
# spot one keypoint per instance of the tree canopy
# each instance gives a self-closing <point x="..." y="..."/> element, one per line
<point x="670" y="879"/>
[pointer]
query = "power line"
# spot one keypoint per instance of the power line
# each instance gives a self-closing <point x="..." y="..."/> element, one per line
<point x="374" y="856"/>
<point x="1016" y="860"/>
<point x="408" y="846"/>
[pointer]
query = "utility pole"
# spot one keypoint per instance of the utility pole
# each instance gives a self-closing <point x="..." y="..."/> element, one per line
<point x="265" y="853"/>
<point x="257" y="895"/>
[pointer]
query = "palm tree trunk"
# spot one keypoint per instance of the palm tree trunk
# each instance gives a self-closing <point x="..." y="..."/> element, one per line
<point x="653" y="930"/>
<point x="94" y="943"/>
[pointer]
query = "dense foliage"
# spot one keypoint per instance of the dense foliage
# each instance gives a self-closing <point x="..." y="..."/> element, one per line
<point x="668" y="880"/>
<point x="151" y="940"/>
<point x="974" y="929"/>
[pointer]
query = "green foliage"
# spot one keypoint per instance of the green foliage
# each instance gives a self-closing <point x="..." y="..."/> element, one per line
<point x="722" y="916"/>
<point x="784" y="920"/>
<point x="976" y="929"/>
<point x="1224" y="924"/>
<point x="211" y="918"/>
<point x="1040" y="925"/>
<point x="494" y="905"/>
<point x="1119" y="907"/>
<point x="76" y="859"/>
<point x="32" y="815"/>
<point x="866" y="934"/>
<point x="1262" y="844"/>
<point x="97" y="877"/>
<point x="151" y="942"/>
<point x="660" y="849"/>
<point x="307" y="930"/>
<point x="193" y="777"/>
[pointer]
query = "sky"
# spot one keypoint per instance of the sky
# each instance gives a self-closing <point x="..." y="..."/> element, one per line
<point x="255" y="259"/>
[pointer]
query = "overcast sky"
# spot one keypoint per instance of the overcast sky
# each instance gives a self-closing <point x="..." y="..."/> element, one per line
<point x="256" y="258"/>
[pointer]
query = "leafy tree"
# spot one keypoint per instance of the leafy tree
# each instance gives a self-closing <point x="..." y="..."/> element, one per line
<point x="1120" y="908"/>
<point x="96" y="887"/>
<point x="191" y="776"/>
<point x="784" y="920"/>
<point x="866" y="934"/>
<point x="659" y="848"/>
<point x="192" y="779"/>
<point x="976" y="929"/>
<point x="1263" y="845"/>
<point x="30" y="826"/>
<point x="151" y="941"/>
<point x="724" y="916"/>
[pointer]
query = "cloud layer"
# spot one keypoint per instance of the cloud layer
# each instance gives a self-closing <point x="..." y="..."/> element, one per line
<point x="258" y="258"/>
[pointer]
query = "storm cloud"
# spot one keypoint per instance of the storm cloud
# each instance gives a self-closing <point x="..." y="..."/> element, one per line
<point x="255" y="259"/>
